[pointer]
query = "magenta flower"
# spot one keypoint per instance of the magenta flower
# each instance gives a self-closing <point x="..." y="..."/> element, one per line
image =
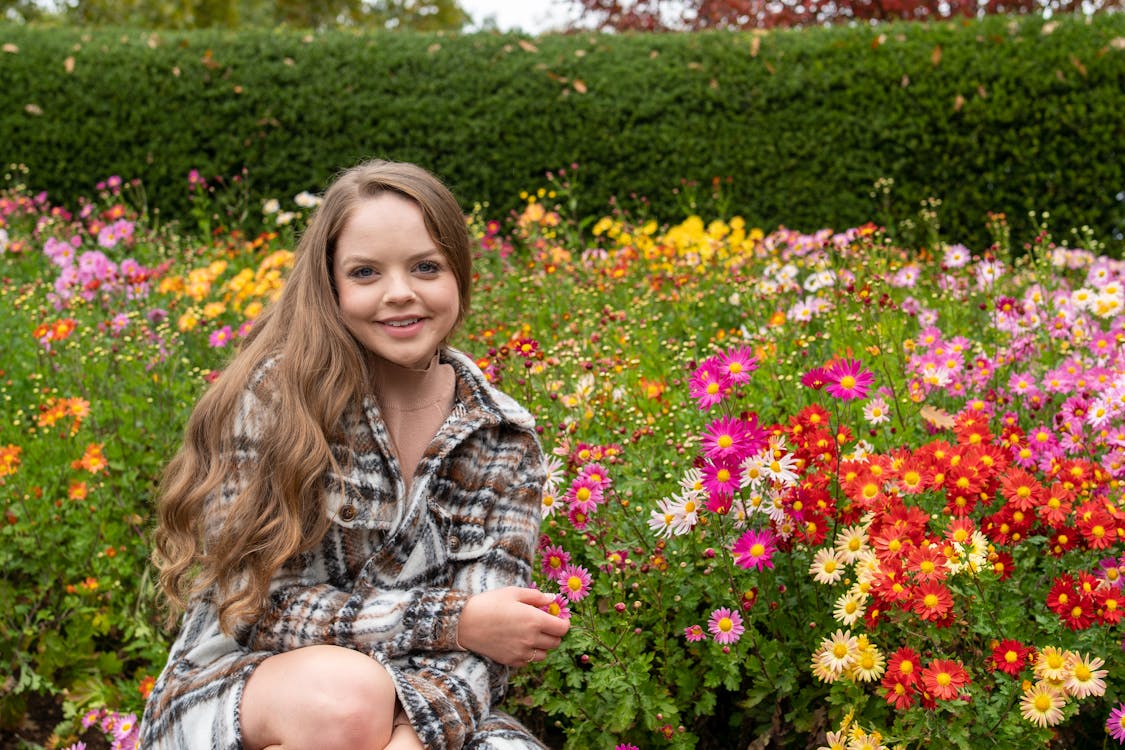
<point x="708" y="386"/>
<point x="1115" y="724"/>
<point x="815" y="378"/>
<point x="220" y="338"/>
<point x="720" y="478"/>
<point x="848" y="380"/>
<point x="754" y="549"/>
<point x="574" y="582"/>
<point x="737" y="364"/>
<point x="725" y="626"/>
<point x="553" y="560"/>
<point x="694" y="633"/>
<point x="596" y="474"/>
<point x="584" y="495"/>
<point x="725" y="439"/>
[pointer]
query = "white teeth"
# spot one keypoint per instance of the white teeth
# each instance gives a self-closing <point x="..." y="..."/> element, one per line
<point x="401" y="323"/>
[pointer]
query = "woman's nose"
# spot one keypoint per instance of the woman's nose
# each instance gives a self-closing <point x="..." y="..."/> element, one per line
<point x="399" y="288"/>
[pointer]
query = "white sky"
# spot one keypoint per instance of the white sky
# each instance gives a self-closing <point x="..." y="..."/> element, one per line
<point x="532" y="16"/>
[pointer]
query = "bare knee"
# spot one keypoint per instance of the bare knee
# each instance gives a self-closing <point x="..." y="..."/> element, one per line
<point x="318" y="698"/>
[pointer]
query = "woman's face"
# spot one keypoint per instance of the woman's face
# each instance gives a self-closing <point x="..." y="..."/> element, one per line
<point x="397" y="293"/>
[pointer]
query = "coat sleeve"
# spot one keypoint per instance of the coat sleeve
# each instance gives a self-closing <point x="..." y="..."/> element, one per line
<point x="448" y="695"/>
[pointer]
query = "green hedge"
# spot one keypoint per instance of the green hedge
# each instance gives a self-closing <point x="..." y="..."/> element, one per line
<point x="1009" y="115"/>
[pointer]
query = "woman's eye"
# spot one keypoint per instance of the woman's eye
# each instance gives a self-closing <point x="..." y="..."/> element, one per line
<point x="429" y="266"/>
<point x="363" y="272"/>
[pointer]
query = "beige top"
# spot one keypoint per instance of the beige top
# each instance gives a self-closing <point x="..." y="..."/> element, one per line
<point x="414" y="403"/>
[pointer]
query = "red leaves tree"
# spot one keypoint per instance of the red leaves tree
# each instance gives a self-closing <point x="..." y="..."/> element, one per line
<point x="697" y="15"/>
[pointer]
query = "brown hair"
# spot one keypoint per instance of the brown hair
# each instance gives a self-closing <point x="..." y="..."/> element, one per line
<point x="319" y="370"/>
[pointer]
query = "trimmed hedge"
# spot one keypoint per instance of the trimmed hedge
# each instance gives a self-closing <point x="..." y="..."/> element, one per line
<point x="1011" y="115"/>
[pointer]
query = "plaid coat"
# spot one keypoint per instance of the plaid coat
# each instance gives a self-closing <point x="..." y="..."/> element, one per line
<point x="389" y="579"/>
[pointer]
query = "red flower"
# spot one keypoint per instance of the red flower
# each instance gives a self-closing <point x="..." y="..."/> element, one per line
<point x="904" y="665"/>
<point x="932" y="601"/>
<point x="944" y="679"/>
<point x="1010" y="657"/>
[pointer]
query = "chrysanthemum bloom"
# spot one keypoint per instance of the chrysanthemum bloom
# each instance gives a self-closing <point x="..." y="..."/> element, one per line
<point x="737" y="364"/>
<point x="905" y="665"/>
<point x="721" y="479"/>
<point x="708" y="386"/>
<point x="850" y="542"/>
<point x="1086" y="677"/>
<point x="725" y="440"/>
<point x="1042" y="705"/>
<point x="1115" y="724"/>
<point x="827" y="566"/>
<point x="850" y="606"/>
<point x="558" y="607"/>
<point x="875" y="411"/>
<point x="584" y="494"/>
<point x="848" y="380"/>
<point x="754" y="549"/>
<point x="725" y="626"/>
<point x="1010" y="657"/>
<point x="694" y="633"/>
<point x="1052" y="664"/>
<point x="932" y="601"/>
<point x="900" y="693"/>
<point x="944" y="678"/>
<point x="663" y="520"/>
<point x="575" y="582"/>
<point x="869" y="663"/>
<point x="815" y="378"/>
<point x="553" y="560"/>
<point x="837" y="652"/>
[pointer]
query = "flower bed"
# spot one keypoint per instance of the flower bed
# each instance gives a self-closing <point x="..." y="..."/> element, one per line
<point x="803" y="487"/>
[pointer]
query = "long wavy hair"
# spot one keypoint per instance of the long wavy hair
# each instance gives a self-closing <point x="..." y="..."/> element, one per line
<point x="319" y="370"/>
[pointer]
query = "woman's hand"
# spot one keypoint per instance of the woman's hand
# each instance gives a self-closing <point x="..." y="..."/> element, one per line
<point x="507" y="626"/>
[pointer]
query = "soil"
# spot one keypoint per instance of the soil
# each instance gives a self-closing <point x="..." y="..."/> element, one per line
<point x="44" y="712"/>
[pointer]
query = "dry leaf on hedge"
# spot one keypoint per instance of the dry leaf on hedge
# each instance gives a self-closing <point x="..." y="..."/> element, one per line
<point x="11" y="48"/>
<point x="68" y="64"/>
<point x="579" y="86"/>
<point x="33" y="109"/>
<point x="527" y="46"/>
<point x="935" y="56"/>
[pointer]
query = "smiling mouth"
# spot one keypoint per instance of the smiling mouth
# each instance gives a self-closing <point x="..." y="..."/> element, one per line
<point x="402" y="323"/>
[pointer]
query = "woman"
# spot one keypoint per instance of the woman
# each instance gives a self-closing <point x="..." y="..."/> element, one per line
<point x="351" y="519"/>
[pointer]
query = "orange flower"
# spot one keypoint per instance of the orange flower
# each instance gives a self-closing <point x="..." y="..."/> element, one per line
<point x="92" y="460"/>
<point x="9" y="459"/>
<point x="77" y="491"/>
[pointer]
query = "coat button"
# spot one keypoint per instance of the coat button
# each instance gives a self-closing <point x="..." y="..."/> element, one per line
<point x="347" y="513"/>
<point x="454" y="542"/>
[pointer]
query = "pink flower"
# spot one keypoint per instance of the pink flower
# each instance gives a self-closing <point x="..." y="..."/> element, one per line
<point x="574" y="582"/>
<point x="737" y="364"/>
<point x="848" y="380"/>
<point x="1115" y="724"/>
<point x="584" y="495"/>
<point x="754" y="549"/>
<point x="725" y="626"/>
<point x="708" y="385"/>
<point x="554" y="560"/>
<point x="694" y="633"/>
<point x="720" y="478"/>
<point x="558" y="608"/>
<point x="220" y="338"/>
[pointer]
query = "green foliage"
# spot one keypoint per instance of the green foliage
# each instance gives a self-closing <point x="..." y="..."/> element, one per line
<point x="1003" y="115"/>
<point x="598" y="327"/>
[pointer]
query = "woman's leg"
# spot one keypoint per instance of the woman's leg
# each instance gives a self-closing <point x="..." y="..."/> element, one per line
<point x="318" y="698"/>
